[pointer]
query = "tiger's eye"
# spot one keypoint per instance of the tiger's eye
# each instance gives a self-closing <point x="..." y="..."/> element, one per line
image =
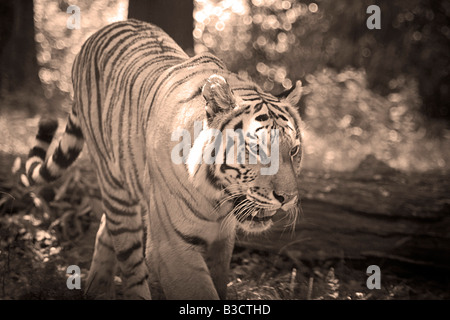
<point x="294" y="150"/>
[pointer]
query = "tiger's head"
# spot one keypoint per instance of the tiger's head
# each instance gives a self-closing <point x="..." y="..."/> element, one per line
<point x="251" y="149"/>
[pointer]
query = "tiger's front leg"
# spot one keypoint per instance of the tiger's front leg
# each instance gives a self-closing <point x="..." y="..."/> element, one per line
<point x="182" y="271"/>
<point x="218" y="260"/>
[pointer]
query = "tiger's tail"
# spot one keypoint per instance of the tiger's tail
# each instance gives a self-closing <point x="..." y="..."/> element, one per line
<point x="41" y="168"/>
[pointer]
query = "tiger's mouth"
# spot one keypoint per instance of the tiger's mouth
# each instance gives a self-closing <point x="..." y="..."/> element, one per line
<point x="261" y="215"/>
<point x="252" y="219"/>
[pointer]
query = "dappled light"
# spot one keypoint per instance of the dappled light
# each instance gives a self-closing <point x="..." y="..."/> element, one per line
<point x="346" y="121"/>
<point x="57" y="45"/>
<point x="276" y="42"/>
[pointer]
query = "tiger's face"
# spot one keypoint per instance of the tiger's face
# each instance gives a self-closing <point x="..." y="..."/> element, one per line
<point x="263" y="192"/>
<point x="257" y="157"/>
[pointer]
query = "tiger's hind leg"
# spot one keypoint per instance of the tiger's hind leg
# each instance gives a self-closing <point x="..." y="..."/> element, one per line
<point x="125" y="226"/>
<point x="100" y="281"/>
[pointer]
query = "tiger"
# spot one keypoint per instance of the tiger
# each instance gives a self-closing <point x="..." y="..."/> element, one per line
<point x="169" y="226"/>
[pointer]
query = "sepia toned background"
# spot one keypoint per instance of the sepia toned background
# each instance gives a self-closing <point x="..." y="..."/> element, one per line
<point x="377" y="140"/>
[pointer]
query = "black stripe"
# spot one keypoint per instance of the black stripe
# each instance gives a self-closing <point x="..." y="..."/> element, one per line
<point x="126" y="254"/>
<point x="192" y="240"/>
<point x="294" y="118"/>
<point x="116" y="211"/>
<point x="114" y="222"/>
<point x="144" y="228"/>
<point x="256" y="98"/>
<point x="108" y="178"/>
<point x="124" y="230"/>
<point x="64" y="160"/>
<point x="47" y="128"/>
<point x="276" y="107"/>
<point x="238" y="126"/>
<point x="258" y="107"/>
<point x="251" y="87"/>
<point x="159" y="212"/>
<point x="99" y="106"/>
<point x="224" y="167"/>
<point x="106" y="245"/>
<point x="45" y="174"/>
<point x="197" y="93"/>
<point x="74" y="112"/>
<point x="138" y="283"/>
<point x="212" y="179"/>
<point x="37" y="152"/>
<point x="133" y="267"/>
<point x="122" y="202"/>
<point x="85" y="115"/>
<point x="262" y="117"/>
<point x="266" y="98"/>
<point x="284" y="94"/>
<point x="73" y="129"/>
<point x="232" y="116"/>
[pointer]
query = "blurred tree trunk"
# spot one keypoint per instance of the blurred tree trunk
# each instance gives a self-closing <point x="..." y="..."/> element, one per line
<point x="18" y="63"/>
<point x="173" y="16"/>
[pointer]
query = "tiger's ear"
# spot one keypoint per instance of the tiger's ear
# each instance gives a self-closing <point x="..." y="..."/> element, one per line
<point x="292" y="95"/>
<point x="218" y="95"/>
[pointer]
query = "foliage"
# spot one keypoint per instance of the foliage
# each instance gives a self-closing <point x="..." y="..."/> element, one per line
<point x="279" y="41"/>
<point x="57" y="45"/>
<point x="367" y="88"/>
<point x="347" y="121"/>
<point x="42" y="232"/>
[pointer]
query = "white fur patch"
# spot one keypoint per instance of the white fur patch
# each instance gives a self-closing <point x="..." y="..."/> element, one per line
<point x="30" y="161"/>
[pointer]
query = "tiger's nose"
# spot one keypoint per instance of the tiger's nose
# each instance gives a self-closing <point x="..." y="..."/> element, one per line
<point x="279" y="197"/>
<point x="285" y="198"/>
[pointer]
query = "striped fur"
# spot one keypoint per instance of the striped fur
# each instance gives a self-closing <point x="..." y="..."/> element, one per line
<point x="169" y="227"/>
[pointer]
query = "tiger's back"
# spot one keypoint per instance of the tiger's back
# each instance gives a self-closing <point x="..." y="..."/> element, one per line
<point x="169" y="224"/>
<point x="112" y="76"/>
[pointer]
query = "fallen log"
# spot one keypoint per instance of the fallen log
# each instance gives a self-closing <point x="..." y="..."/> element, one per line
<point x="368" y="214"/>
